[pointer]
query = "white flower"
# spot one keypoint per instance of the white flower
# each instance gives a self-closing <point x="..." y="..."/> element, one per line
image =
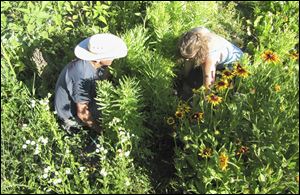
<point x="127" y="183"/>
<point x="32" y="103"/>
<point x="105" y="151"/>
<point x="27" y="141"/>
<point x="81" y="168"/>
<point x="101" y="149"/>
<point x="102" y="158"/>
<point x="98" y="145"/>
<point x="103" y="172"/>
<point x="56" y="173"/>
<point x="37" y="151"/>
<point x="57" y="181"/>
<point x="44" y="141"/>
<point x="45" y="175"/>
<point x="97" y="150"/>
<point x="24" y="146"/>
<point x="32" y="143"/>
<point x="127" y="153"/>
<point x="55" y="112"/>
<point x="47" y="169"/>
<point x="24" y="126"/>
<point x="68" y="171"/>
<point x="44" y="102"/>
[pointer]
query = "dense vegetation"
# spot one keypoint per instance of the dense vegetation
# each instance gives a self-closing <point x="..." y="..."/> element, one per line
<point x="243" y="137"/>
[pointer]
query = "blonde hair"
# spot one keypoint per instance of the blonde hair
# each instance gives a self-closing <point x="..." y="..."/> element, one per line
<point x="194" y="45"/>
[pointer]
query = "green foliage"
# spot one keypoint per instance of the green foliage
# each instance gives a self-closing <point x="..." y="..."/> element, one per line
<point x="247" y="143"/>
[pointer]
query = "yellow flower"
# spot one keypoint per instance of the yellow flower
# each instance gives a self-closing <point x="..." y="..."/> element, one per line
<point x="205" y="152"/>
<point x="179" y="114"/>
<point x="277" y="88"/>
<point x="183" y="107"/>
<point x="170" y="121"/>
<point x="222" y="84"/>
<point x="270" y="56"/>
<point x="214" y="99"/>
<point x="226" y="74"/>
<point x="197" y="116"/>
<point x="297" y="178"/>
<point x="240" y="71"/>
<point x="223" y="161"/>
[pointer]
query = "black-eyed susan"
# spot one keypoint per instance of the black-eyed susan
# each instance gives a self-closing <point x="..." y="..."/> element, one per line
<point x="186" y="108"/>
<point x="277" y="88"/>
<point x="179" y="114"/>
<point x="270" y="56"/>
<point x="205" y="152"/>
<point x="223" y="161"/>
<point x="242" y="150"/>
<point x="170" y="121"/>
<point x="183" y="107"/>
<point x="240" y="71"/>
<point x="227" y="74"/>
<point x="198" y="116"/>
<point x="222" y="85"/>
<point x="214" y="99"/>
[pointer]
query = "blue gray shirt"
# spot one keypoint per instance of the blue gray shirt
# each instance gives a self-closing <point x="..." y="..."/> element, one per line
<point x="77" y="84"/>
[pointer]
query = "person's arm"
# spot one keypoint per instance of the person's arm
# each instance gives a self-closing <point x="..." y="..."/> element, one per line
<point x="85" y="115"/>
<point x="209" y="72"/>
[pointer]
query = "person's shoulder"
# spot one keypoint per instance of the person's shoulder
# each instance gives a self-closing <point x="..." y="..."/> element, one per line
<point x="200" y="29"/>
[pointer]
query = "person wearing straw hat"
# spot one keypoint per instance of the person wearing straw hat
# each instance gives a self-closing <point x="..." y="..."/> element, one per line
<point x="75" y="88"/>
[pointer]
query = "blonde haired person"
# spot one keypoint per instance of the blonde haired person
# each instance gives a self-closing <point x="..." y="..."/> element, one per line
<point x="208" y="50"/>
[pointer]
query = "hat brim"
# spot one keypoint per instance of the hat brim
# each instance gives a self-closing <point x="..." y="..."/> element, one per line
<point x="81" y="51"/>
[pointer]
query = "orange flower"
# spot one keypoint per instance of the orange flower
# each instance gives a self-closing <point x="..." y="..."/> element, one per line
<point x="270" y="56"/>
<point x="214" y="99"/>
<point x="223" y="161"/>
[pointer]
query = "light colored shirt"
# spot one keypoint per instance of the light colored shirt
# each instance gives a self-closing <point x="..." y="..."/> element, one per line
<point x="221" y="51"/>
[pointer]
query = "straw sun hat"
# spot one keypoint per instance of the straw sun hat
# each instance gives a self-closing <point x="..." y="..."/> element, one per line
<point x="101" y="47"/>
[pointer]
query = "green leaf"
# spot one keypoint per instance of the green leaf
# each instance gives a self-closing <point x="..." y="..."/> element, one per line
<point x="69" y="23"/>
<point x="261" y="178"/>
<point x="75" y="17"/>
<point x="102" y="19"/>
<point x="257" y="20"/>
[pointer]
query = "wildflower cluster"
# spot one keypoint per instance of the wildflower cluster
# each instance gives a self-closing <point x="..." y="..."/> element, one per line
<point x="270" y="56"/>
